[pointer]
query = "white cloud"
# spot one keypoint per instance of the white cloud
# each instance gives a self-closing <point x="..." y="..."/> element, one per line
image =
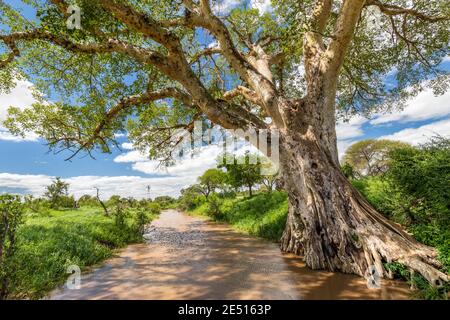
<point x="425" y="106"/>
<point x="349" y="132"/>
<point x="132" y="156"/>
<point x="125" y="186"/>
<point x="350" y="129"/>
<point x="21" y="97"/>
<point x="127" y="146"/>
<point x="262" y="5"/>
<point x="422" y="134"/>
<point x="223" y="7"/>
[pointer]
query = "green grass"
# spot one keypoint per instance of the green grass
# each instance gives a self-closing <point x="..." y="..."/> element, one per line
<point x="263" y="215"/>
<point x="49" y="243"/>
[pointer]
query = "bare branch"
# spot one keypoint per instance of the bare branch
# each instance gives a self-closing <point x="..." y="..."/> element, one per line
<point x="206" y="52"/>
<point x="244" y="92"/>
<point x="393" y="10"/>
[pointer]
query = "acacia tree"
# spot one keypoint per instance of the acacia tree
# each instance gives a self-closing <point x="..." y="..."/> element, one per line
<point x="371" y="157"/>
<point x="244" y="171"/>
<point x="211" y="180"/>
<point x="56" y="191"/>
<point x="298" y="66"/>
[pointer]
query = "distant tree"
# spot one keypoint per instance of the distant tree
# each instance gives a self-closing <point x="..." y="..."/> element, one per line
<point x="243" y="172"/>
<point x="11" y="213"/>
<point x="164" y="201"/>
<point x="114" y="201"/>
<point x="190" y="197"/>
<point x="370" y="157"/>
<point x="56" y="191"/>
<point x="211" y="180"/>
<point x="268" y="180"/>
<point x="105" y="208"/>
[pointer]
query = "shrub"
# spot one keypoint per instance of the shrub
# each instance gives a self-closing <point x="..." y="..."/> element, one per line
<point x="11" y="214"/>
<point x="214" y="203"/>
<point x="142" y="218"/>
<point x="119" y="215"/>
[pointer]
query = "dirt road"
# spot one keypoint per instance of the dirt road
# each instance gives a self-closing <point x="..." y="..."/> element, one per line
<point x="187" y="257"/>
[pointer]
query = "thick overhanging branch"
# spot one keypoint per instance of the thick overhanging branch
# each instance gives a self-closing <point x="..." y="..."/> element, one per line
<point x="343" y="34"/>
<point x="321" y="13"/>
<point x="110" y="46"/>
<point x="393" y="10"/>
<point x="142" y="23"/>
<point x="127" y="103"/>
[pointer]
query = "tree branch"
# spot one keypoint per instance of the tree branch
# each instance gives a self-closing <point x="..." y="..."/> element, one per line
<point x="393" y="10"/>
<point x="126" y="103"/>
<point x="206" y="52"/>
<point x="244" y="92"/>
<point x="142" y="23"/>
<point x="111" y="45"/>
<point x="343" y="34"/>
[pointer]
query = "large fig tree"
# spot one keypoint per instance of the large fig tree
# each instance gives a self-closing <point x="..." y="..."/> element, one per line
<point x="149" y="67"/>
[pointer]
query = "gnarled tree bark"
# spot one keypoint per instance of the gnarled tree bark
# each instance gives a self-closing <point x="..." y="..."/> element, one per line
<point x="329" y="223"/>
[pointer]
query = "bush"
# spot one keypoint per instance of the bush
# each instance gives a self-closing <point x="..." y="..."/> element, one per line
<point x="119" y="215"/>
<point x="142" y="218"/>
<point x="214" y="203"/>
<point x="264" y="215"/>
<point x="88" y="201"/>
<point x="48" y="245"/>
<point x="11" y="213"/>
<point x="415" y="193"/>
<point x="165" y="202"/>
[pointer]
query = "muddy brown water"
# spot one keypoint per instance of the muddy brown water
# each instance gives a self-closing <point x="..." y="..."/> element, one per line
<point x="188" y="257"/>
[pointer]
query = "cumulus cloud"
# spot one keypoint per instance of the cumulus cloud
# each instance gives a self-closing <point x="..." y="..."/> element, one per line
<point x="425" y="106"/>
<point x="348" y="132"/>
<point x="125" y="186"/>
<point x="351" y="128"/>
<point x="422" y="134"/>
<point x="21" y="97"/>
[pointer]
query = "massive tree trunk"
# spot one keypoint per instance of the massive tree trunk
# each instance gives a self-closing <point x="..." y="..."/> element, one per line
<point x="329" y="222"/>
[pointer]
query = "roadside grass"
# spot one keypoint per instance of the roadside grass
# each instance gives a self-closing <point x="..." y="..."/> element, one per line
<point x="51" y="242"/>
<point x="264" y="215"/>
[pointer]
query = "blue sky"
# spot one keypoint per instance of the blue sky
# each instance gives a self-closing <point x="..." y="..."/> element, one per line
<point x="26" y="166"/>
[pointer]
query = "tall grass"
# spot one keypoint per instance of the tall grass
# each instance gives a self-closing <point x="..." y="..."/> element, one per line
<point x="263" y="215"/>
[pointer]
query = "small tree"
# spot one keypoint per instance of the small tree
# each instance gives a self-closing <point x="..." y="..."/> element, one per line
<point x="105" y="209"/>
<point x="371" y="157"/>
<point x="211" y="180"/>
<point x="190" y="197"/>
<point x="11" y="212"/>
<point x="243" y="172"/>
<point x="56" y="191"/>
<point x="268" y="180"/>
